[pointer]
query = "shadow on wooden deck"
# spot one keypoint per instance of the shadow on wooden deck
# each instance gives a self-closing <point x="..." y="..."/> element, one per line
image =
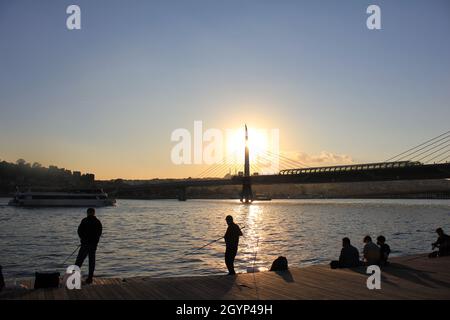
<point x="411" y="277"/>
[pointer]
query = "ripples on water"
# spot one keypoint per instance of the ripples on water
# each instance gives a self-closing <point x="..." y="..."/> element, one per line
<point x="152" y="237"/>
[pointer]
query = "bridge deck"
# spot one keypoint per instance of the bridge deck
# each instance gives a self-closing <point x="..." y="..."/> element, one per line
<point x="418" y="172"/>
<point x="412" y="277"/>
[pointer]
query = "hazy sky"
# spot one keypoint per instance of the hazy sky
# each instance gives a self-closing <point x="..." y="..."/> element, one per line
<point x="106" y="98"/>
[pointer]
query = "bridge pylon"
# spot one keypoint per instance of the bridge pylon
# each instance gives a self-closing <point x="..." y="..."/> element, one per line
<point x="182" y="194"/>
<point x="247" y="193"/>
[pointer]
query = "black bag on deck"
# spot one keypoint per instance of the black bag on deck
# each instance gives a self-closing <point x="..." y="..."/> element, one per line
<point x="46" y="280"/>
<point x="334" y="264"/>
<point x="279" y="264"/>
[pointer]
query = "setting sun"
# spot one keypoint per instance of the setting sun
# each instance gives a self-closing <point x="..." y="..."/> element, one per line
<point x="262" y="144"/>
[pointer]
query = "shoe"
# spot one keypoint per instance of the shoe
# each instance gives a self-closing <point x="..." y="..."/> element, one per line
<point x="232" y="273"/>
<point x="89" y="280"/>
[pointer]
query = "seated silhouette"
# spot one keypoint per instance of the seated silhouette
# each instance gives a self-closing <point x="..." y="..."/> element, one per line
<point x="385" y="250"/>
<point x="348" y="258"/>
<point x="442" y="244"/>
<point x="279" y="264"/>
<point x="371" y="252"/>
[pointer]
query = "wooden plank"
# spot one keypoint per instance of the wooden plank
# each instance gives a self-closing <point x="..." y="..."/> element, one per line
<point x="413" y="277"/>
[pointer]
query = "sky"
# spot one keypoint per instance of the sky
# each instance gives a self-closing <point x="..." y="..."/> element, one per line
<point x="105" y="99"/>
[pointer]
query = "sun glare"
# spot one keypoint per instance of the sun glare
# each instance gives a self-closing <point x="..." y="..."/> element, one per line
<point x="258" y="144"/>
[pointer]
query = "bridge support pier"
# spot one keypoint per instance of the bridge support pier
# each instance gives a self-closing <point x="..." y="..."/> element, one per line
<point x="247" y="193"/>
<point x="182" y="194"/>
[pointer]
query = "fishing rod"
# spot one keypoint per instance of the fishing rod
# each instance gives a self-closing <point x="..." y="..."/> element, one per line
<point x="71" y="254"/>
<point x="209" y="243"/>
<point x="254" y="276"/>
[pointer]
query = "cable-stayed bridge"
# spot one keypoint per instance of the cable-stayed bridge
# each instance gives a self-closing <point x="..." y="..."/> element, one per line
<point x="428" y="160"/>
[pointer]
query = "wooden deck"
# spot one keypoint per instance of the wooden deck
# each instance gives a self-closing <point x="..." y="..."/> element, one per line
<point x="412" y="277"/>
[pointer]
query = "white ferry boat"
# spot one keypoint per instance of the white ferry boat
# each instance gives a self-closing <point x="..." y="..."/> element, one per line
<point x="79" y="198"/>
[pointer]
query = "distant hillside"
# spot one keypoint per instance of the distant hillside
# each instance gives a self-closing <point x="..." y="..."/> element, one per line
<point x="25" y="174"/>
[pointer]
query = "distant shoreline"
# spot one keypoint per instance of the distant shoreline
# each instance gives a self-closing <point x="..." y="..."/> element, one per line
<point x="290" y="198"/>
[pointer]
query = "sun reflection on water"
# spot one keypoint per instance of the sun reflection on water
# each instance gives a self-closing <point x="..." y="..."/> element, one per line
<point x="158" y="238"/>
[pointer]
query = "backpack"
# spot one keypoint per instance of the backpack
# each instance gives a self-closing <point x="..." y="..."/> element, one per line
<point x="46" y="280"/>
<point x="279" y="264"/>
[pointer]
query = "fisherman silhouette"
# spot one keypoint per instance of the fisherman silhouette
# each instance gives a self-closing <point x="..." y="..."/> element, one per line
<point x="89" y="231"/>
<point x="232" y="242"/>
<point x="442" y="243"/>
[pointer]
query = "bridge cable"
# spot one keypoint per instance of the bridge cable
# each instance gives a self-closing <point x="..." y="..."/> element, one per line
<point x="254" y="275"/>
<point x="212" y="169"/>
<point x="283" y="164"/>
<point x="270" y="159"/>
<point x="438" y="155"/>
<point x="282" y="160"/>
<point x="220" y="171"/>
<point x="205" y="172"/>
<point x="217" y="172"/>
<point x="270" y="156"/>
<point x="426" y="152"/>
<point x="296" y="162"/>
<point x="302" y="164"/>
<point x="225" y="170"/>
<point x="263" y="163"/>
<point x="418" y="146"/>
<point x="444" y="159"/>
<point x="427" y="148"/>
<point x="266" y="155"/>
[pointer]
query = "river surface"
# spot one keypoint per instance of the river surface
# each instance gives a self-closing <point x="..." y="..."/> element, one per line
<point x="156" y="237"/>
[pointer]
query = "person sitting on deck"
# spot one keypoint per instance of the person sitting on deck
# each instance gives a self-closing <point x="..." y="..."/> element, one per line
<point x="442" y="243"/>
<point x="385" y="250"/>
<point x="348" y="258"/>
<point x="371" y="252"/>
<point x="232" y="242"/>
<point x="89" y="231"/>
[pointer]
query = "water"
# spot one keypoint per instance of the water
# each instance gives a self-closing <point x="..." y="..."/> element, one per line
<point x="152" y="237"/>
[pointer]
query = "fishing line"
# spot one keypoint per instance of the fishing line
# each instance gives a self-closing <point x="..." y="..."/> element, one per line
<point x="254" y="276"/>
<point x="71" y="254"/>
<point x="209" y="243"/>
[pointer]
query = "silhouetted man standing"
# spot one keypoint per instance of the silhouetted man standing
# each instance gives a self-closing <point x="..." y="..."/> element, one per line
<point x="89" y="231"/>
<point x="232" y="242"/>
